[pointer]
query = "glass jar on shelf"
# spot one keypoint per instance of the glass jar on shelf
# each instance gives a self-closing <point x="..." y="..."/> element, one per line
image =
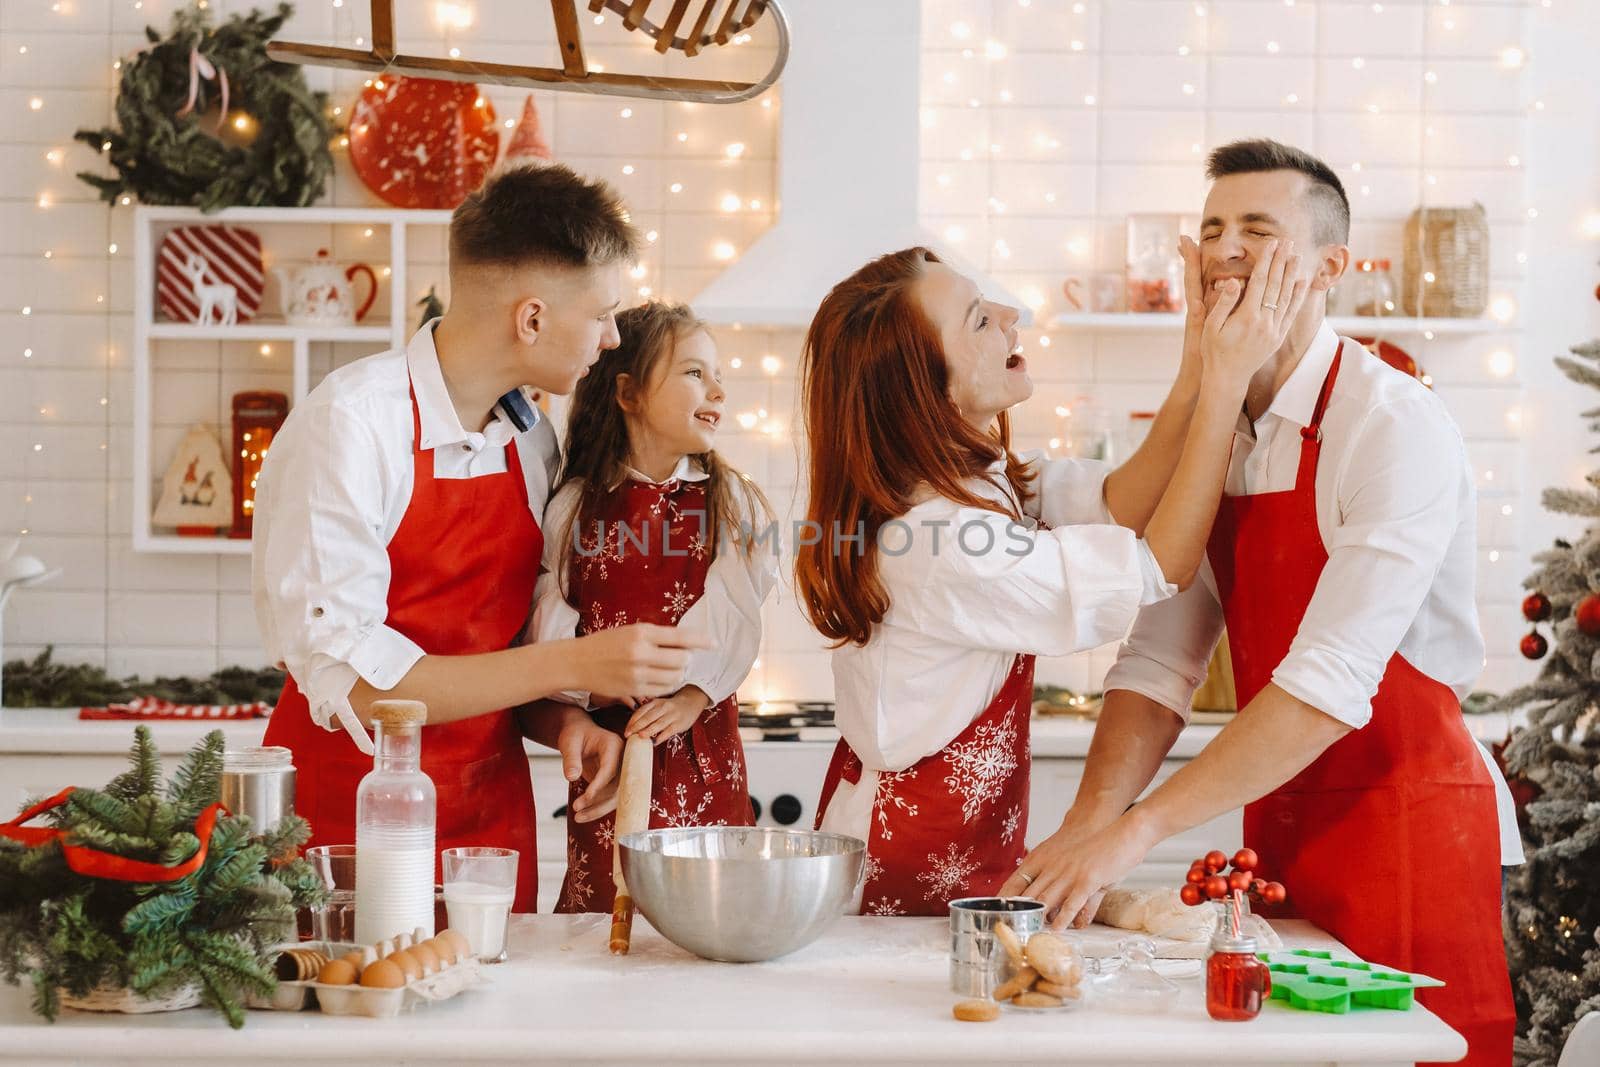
<point x="1371" y="291"/>
<point x="1154" y="264"/>
<point x="1086" y="430"/>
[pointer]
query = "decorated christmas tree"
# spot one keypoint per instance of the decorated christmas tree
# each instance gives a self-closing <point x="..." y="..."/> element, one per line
<point x="1552" y="912"/>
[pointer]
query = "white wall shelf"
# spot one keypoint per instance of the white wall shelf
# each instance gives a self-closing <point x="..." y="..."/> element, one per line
<point x="149" y="222"/>
<point x="266" y="331"/>
<point x="1350" y="325"/>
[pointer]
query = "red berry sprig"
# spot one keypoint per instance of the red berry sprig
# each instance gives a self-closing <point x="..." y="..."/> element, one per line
<point x="1206" y="880"/>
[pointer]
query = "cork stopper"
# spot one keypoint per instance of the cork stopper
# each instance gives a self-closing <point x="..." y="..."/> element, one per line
<point x="392" y="713"/>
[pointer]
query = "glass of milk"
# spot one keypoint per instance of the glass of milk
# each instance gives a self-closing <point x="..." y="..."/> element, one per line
<point x="479" y="884"/>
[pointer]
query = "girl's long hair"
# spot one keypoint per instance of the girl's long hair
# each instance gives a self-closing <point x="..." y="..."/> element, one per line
<point x="597" y="447"/>
<point x="881" y="428"/>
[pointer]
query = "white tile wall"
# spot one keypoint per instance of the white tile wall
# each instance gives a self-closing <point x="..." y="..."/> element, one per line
<point x="1092" y="110"/>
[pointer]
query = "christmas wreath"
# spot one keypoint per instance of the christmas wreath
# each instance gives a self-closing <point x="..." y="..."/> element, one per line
<point x="148" y="889"/>
<point x="206" y="119"/>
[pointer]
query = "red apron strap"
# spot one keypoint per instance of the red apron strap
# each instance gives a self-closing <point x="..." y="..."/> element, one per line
<point x="1311" y="435"/>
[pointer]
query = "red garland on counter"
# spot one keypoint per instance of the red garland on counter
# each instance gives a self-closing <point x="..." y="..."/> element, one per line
<point x="1206" y="880"/>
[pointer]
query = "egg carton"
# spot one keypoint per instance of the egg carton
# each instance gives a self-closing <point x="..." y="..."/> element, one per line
<point x="374" y="1003"/>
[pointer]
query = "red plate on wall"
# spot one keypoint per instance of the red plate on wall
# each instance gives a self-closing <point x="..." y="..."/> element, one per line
<point x="405" y="146"/>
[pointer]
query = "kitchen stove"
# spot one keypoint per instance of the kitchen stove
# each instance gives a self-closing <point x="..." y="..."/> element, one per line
<point x="797" y="739"/>
<point x="787" y="720"/>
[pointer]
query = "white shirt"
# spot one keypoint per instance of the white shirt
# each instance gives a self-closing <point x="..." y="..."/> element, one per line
<point x="1396" y="508"/>
<point x="333" y="489"/>
<point x="971" y="590"/>
<point x="729" y="609"/>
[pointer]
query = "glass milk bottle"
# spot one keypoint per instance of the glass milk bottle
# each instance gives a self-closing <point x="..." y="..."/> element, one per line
<point x="395" y="819"/>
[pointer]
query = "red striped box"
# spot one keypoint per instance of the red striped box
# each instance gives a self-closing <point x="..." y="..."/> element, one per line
<point x="232" y="255"/>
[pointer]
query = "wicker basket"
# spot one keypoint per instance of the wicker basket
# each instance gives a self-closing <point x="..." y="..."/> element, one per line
<point x="1452" y="244"/>
<point x="106" y="997"/>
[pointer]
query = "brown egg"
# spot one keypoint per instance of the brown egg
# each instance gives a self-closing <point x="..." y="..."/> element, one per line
<point x="384" y="974"/>
<point x="338" y="972"/>
<point x="457" y="941"/>
<point x="353" y="958"/>
<point x="442" y="949"/>
<point x="427" y="956"/>
<point x="407" y="961"/>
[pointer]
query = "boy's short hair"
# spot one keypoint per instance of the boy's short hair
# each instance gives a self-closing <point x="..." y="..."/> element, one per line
<point x="1330" y="207"/>
<point x="541" y="215"/>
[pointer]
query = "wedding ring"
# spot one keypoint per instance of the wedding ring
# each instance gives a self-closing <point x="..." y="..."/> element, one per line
<point x="1269" y="307"/>
<point x="1027" y="879"/>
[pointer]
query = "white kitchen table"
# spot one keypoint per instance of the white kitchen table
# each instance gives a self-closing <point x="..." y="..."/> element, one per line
<point x="870" y="990"/>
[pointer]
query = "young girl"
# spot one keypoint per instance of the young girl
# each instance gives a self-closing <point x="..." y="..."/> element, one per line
<point x="938" y="610"/>
<point x="649" y="524"/>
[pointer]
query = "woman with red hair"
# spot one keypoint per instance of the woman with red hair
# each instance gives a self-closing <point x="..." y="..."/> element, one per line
<point x="924" y="560"/>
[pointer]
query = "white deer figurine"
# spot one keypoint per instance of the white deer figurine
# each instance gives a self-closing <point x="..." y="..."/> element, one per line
<point x="218" y="296"/>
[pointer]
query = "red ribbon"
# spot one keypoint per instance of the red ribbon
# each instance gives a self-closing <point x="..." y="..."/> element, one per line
<point x="94" y="863"/>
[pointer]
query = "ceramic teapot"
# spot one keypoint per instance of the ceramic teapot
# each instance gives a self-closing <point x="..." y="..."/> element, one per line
<point x="322" y="294"/>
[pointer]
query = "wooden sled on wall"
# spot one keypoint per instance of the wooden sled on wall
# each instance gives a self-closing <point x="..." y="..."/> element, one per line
<point x="717" y="22"/>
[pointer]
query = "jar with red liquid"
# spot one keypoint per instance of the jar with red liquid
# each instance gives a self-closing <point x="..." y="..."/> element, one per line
<point x="1237" y="980"/>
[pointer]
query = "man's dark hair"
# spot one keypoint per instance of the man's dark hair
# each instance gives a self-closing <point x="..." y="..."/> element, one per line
<point x="541" y="215"/>
<point x="1330" y="207"/>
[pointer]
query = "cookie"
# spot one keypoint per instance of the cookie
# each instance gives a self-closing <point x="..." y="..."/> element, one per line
<point x="976" y="1011"/>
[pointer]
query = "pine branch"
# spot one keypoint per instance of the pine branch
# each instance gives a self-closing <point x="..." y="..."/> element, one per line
<point x="198" y="782"/>
<point x="165" y="911"/>
<point x="144" y="777"/>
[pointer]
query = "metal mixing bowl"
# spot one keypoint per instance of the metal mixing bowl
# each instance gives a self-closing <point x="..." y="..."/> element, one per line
<point x="740" y="893"/>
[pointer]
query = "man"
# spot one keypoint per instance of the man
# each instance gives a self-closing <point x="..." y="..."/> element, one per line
<point x="1342" y="561"/>
<point x="397" y="530"/>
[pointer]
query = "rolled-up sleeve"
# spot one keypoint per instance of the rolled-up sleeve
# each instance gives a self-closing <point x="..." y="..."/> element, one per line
<point x="1165" y="657"/>
<point x="1068" y="492"/>
<point x="322" y="563"/>
<point x="1399" y="494"/>
<point x="988" y="582"/>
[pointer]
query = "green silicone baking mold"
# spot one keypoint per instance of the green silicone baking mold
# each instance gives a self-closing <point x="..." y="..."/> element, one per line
<point x="1317" y="981"/>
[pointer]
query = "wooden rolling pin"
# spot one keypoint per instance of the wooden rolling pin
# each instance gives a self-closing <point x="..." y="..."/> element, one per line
<point x="633" y="815"/>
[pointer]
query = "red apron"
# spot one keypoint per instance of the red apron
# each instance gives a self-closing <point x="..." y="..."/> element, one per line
<point x="653" y="575"/>
<point x="1389" y="840"/>
<point x="462" y="569"/>
<point x="952" y="824"/>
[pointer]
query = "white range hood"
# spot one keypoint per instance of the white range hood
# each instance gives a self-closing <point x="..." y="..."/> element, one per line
<point x="848" y="162"/>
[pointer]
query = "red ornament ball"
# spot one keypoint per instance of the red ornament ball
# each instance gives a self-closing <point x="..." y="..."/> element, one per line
<point x="1536" y="607"/>
<point x="1588" y="615"/>
<point x="1216" y="887"/>
<point x="1245" y="859"/>
<point x="1196" y="876"/>
<point x="1239" y="880"/>
<point x="1257" y="887"/>
<point x="1191" y="895"/>
<point x="1534" y="646"/>
<point x="1274" y="893"/>
<point x="1216" y="860"/>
